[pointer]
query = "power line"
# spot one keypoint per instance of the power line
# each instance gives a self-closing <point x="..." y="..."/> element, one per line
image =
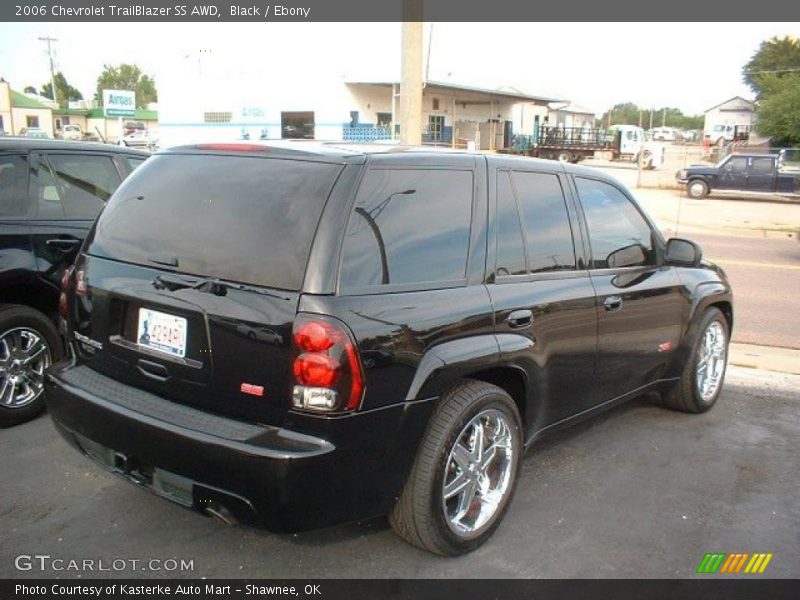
<point x="788" y="70"/>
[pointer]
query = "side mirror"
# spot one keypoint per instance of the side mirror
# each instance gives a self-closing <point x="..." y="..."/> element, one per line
<point x="683" y="252"/>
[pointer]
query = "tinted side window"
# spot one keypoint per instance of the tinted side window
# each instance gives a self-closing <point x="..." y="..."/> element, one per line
<point x="618" y="232"/>
<point x="762" y="165"/>
<point x="45" y="193"/>
<point x="738" y="164"/>
<point x="408" y="226"/>
<point x="134" y="161"/>
<point x="13" y="185"/>
<point x="548" y="235"/>
<point x="87" y="182"/>
<point x="510" y="248"/>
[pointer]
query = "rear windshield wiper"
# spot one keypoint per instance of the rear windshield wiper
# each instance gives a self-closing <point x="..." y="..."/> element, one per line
<point x="210" y="285"/>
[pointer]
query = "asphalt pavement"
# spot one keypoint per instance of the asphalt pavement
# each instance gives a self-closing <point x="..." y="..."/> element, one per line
<point x="637" y="492"/>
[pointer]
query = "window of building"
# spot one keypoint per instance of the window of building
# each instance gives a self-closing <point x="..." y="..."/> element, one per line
<point x="409" y="226"/>
<point x="217" y="117"/>
<point x="32" y="121"/>
<point x="436" y="128"/>
<point x="619" y="234"/>
<point x="353" y="118"/>
<point x="384" y="120"/>
<point x="435" y="102"/>
<point x="297" y="125"/>
<point x="545" y="221"/>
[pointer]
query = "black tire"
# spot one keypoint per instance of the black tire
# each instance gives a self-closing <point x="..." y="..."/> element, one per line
<point x="21" y="317"/>
<point x="686" y="395"/>
<point x="697" y="188"/>
<point x="564" y="156"/>
<point x="419" y="514"/>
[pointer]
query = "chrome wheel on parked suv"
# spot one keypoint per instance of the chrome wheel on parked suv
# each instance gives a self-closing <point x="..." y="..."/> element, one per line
<point x="28" y="346"/>
<point x="711" y="359"/>
<point x="465" y="473"/>
<point x="478" y="471"/>
<point x="701" y="381"/>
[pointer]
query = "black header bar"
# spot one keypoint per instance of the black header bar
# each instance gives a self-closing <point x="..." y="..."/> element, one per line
<point x="392" y="10"/>
<point x="711" y="588"/>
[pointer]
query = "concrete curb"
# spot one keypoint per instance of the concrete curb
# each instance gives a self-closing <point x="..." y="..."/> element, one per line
<point x="782" y="360"/>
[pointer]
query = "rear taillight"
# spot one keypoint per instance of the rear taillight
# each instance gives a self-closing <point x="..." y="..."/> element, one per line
<point x="81" y="284"/>
<point x="327" y="370"/>
<point x="66" y="284"/>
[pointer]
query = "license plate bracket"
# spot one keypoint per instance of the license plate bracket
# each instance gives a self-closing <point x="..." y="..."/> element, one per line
<point x="161" y="332"/>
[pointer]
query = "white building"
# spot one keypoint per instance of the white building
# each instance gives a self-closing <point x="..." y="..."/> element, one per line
<point x="203" y="99"/>
<point x="729" y="119"/>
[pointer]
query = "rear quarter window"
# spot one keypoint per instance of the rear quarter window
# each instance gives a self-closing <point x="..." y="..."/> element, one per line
<point x="408" y="227"/>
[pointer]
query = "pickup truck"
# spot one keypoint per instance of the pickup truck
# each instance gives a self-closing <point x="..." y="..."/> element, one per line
<point x="741" y="173"/>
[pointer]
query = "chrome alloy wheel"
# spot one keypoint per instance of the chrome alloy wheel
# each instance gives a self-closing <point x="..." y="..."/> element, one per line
<point x="24" y="356"/>
<point x="696" y="189"/>
<point x="711" y="357"/>
<point x="478" y="473"/>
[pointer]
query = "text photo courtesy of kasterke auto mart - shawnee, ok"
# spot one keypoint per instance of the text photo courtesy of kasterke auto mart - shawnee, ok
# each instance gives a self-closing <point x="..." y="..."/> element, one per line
<point x="412" y="299"/>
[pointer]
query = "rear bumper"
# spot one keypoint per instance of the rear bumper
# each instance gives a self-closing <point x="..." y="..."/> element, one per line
<point x="281" y="478"/>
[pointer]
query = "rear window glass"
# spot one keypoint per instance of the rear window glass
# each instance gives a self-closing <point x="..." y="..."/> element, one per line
<point x="244" y="219"/>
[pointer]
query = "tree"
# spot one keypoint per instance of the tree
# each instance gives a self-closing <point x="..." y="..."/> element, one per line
<point x="779" y="109"/>
<point x="628" y="113"/>
<point x="127" y="77"/>
<point x="65" y="93"/>
<point x="29" y="89"/>
<point x="625" y="113"/>
<point x="775" y="58"/>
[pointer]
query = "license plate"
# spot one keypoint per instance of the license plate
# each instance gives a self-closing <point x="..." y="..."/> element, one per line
<point x="162" y="332"/>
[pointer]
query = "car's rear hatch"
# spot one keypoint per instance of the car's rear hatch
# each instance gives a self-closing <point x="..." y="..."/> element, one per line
<point x="189" y="284"/>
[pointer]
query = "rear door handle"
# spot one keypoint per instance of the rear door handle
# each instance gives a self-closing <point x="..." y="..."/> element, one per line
<point x="613" y="303"/>
<point x="520" y="318"/>
<point x="63" y="244"/>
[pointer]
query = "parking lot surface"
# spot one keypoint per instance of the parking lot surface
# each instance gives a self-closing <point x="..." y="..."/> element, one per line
<point x="637" y="492"/>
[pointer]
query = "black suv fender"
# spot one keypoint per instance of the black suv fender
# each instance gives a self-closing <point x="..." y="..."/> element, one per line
<point x="490" y="357"/>
<point x="705" y="295"/>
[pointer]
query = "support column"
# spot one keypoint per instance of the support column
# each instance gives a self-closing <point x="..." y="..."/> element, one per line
<point x="411" y="74"/>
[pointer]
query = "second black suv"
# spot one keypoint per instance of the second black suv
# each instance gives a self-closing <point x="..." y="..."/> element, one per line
<point x="50" y="193"/>
<point x="313" y="334"/>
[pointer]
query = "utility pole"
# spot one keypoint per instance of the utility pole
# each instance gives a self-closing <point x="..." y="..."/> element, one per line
<point x="411" y="74"/>
<point x="49" y="41"/>
<point x="664" y="117"/>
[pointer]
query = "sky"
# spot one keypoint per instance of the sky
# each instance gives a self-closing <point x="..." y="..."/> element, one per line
<point x="691" y="66"/>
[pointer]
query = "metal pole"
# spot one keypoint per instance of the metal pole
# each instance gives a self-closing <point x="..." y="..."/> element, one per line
<point x="411" y="74"/>
<point x="48" y="39"/>
<point x="453" y="130"/>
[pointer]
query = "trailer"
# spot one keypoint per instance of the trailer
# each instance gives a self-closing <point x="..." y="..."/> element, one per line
<point x="573" y="144"/>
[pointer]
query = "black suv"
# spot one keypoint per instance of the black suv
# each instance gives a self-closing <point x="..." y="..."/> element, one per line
<point x="312" y="334"/>
<point x="50" y="193"/>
